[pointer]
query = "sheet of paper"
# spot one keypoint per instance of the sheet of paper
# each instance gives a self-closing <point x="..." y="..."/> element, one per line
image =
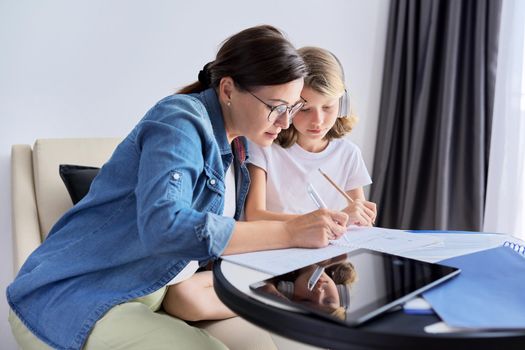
<point x="456" y="244"/>
<point x="386" y="240"/>
<point x="284" y="260"/>
<point x="279" y="261"/>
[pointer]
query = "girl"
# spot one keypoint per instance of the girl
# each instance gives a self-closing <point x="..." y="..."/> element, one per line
<point x="156" y="205"/>
<point x="331" y="292"/>
<point x="280" y="173"/>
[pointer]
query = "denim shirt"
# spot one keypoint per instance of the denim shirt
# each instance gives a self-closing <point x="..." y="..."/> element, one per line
<point x="154" y="206"/>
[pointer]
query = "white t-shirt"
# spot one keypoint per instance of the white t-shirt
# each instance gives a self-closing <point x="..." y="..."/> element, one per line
<point x="229" y="210"/>
<point x="230" y="200"/>
<point x="290" y="169"/>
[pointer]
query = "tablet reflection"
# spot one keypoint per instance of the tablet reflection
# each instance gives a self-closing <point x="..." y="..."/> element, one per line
<point x="385" y="281"/>
<point x="324" y="286"/>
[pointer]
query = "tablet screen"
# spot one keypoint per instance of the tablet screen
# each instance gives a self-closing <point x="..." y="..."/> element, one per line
<point x="354" y="287"/>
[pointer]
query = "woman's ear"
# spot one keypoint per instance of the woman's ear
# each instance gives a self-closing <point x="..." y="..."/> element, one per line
<point x="226" y="88"/>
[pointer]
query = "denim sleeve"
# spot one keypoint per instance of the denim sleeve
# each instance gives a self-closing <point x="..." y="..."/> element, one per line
<point x="171" y="142"/>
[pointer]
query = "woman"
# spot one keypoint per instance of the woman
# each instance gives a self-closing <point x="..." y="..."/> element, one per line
<point x="156" y="205"/>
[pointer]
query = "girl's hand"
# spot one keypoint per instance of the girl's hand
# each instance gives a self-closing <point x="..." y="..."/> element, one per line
<point x="315" y="229"/>
<point x="361" y="212"/>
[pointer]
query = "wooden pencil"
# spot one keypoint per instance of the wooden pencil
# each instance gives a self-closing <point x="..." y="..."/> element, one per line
<point x="348" y="198"/>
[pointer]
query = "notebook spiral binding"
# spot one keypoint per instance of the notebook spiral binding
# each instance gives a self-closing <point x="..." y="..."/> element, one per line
<point x="516" y="247"/>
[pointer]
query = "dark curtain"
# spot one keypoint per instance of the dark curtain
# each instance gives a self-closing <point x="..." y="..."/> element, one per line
<point x="433" y="139"/>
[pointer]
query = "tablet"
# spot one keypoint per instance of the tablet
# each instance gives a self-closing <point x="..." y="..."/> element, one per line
<point x="354" y="287"/>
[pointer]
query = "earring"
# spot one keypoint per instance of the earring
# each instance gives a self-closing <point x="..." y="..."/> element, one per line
<point x="229" y="104"/>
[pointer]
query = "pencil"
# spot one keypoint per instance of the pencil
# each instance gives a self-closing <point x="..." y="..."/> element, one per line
<point x="348" y="198"/>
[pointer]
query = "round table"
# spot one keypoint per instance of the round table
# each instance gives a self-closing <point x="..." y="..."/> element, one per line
<point x="393" y="330"/>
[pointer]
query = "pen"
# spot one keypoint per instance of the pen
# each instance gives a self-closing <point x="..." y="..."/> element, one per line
<point x="315" y="196"/>
<point x="348" y="198"/>
<point x="317" y="200"/>
<point x="315" y="277"/>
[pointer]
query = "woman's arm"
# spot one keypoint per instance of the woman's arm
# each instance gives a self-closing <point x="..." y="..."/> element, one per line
<point x="194" y="299"/>
<point x="312" y="230"/>
<point x="255" y="207"/>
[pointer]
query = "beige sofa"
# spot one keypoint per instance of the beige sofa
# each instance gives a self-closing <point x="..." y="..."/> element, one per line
<point x="39" y="198"/>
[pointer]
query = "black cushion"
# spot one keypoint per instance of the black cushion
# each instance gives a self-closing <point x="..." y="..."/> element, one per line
<point x="77" y="179"/>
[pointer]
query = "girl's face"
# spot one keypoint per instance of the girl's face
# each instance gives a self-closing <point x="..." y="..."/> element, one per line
<point x="315" y="119"/>
<point x="324" y="292"/>
<point x="250" y="111"/>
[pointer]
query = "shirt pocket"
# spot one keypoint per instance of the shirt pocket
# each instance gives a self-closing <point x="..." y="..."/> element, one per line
<point x="215" y="189"/>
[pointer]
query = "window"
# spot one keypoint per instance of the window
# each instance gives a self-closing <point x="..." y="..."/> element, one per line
<point x="505" y="199"/>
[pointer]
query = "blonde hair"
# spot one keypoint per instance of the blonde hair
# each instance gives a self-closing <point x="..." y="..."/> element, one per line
<point x="339" y="312"/>
<point x="342" y="273"/>
<point x="325" y="76"/>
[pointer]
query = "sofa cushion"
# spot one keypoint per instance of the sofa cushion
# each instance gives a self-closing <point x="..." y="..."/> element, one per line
<point x="77" y="179"/>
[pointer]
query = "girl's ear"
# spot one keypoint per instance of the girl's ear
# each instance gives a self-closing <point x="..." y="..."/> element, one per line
<point x="226" y="88"/>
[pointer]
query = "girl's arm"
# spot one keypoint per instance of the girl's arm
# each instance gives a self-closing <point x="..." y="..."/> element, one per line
<point x="255" y="207"/>
<point x="356" y="193"/>
<point x="194" y="299"/>
<point x="360" y="212"/>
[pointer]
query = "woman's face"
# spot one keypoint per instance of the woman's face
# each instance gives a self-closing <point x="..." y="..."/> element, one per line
<point x="315" y="119"/>
<point x="249" y="115"/>
<point x="324" y="292"/>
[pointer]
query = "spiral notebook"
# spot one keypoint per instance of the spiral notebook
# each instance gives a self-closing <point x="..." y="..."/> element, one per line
<point x="520" y="249"/>
<point x="488" y="294"/>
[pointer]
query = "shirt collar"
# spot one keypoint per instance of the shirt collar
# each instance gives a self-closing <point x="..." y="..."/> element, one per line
<point x="210" y="100"/>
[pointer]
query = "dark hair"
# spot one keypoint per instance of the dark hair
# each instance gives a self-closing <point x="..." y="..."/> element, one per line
<point x="256" y="56"/>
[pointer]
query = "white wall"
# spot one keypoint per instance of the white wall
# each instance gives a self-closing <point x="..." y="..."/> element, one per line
<point x="92" y="68"/>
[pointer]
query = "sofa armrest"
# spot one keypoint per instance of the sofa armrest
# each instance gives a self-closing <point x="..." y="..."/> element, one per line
<point x="24" y="213"/>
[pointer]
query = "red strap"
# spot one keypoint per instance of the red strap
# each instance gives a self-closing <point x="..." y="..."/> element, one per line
<point x="240" y="151"/>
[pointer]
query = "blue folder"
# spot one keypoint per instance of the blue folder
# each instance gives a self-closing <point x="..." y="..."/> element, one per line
<point x="489" y="293"/>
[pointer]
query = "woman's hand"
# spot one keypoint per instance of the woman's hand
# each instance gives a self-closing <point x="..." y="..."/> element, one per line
<point x="315" y="229"/>
<point x="361" y="212"/>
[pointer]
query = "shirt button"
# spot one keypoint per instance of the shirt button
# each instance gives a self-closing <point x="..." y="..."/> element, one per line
<point x="212" y="182"/>
<point x="176" y="176"/>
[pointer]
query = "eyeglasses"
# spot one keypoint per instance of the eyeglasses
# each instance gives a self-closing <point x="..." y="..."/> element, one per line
<point x="279" y="110"/>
